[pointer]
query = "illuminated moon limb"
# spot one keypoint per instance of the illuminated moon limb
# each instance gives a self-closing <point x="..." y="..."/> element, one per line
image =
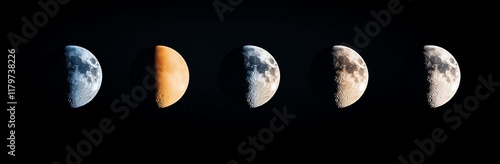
<point x="172" y="76"/>
<point x="351" y="75"/>
<point x="443" y="75"/>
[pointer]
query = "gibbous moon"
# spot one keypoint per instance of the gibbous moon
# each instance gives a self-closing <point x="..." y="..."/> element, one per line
<point x="84" y="75"/>
<point x="443" y="75"/>
<point x="351" y="75"/>
<point x="172" y="76"/>
<point x="263" y="75"/>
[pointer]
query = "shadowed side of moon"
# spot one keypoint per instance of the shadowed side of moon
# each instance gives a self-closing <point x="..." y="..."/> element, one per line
<point x="351" y="75"/>
<point x="232" y="77"/>
<point x="321" y="77"/>
<point x="263" y="75"/>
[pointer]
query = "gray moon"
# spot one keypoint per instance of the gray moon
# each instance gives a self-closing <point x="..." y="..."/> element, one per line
<point x="84" y="75"/>
<point x="263" y="75"/>
<point x="443" y="75"/>
<point x="351" y="75"/>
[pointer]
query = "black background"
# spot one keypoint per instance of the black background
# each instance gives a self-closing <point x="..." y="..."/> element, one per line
<point x="207" y="126"/>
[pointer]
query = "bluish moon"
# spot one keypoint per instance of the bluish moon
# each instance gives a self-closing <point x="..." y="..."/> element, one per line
<point x="84" y="75"/>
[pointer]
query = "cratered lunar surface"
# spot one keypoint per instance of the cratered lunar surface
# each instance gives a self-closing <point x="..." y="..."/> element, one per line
<point x="263" y="75"/>
<point x="351" y="75"/>
<point x="172" y="76"/>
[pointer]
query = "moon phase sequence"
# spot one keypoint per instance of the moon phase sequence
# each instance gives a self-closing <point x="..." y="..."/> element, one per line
<point x="172" y="76"/>
<point x="262" y="75"/>
<point x="351" y="75"/>
<point x="84" y="75"/>
<point x="443" y="75"/>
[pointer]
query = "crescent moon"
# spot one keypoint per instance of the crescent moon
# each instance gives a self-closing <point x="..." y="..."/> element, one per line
<point x="263" y="75"/>
<point x="84" y="75"/>
<point x="443" y="75"/>
<point x="351" y="75"/>
<point x="172" y="76"/>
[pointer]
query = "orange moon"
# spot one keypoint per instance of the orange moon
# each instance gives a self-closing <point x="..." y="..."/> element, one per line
<point x="172" y="76"/>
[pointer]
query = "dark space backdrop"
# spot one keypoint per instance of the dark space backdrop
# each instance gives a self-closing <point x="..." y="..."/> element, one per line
<point x="207" y="125"/>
